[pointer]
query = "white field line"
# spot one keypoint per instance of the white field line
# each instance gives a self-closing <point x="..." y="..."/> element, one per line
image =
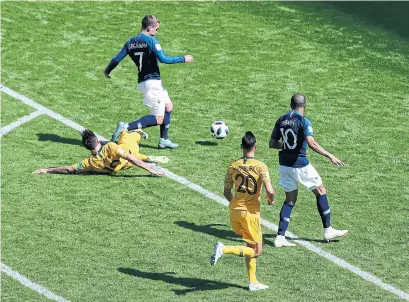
<point x="25" y="281"/>
<point x="20" y="121"/>
<point x="44" y="110"/>
<point x="309" y="246"/>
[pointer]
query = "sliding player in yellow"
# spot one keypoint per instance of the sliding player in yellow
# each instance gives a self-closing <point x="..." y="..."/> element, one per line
<point x="112" y="157"/>
<point x="248" y="175"/>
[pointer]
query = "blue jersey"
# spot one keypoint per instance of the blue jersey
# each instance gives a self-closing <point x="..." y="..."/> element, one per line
<point x="292" y="128"/>
<point x="144" y="51"/>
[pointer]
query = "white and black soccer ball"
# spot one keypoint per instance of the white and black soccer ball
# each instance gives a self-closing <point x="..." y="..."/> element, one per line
<point x="219" y="129"/>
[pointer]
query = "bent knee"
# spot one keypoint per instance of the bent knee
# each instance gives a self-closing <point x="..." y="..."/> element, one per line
<point x="169" y="107"/>
<point x="159" y="120"/>
<point x="321" y="190"/>
<point x="257" y="247"/>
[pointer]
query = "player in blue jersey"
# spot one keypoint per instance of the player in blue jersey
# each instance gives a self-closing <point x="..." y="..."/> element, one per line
<point x="145" y="51"/>
<point x="291" y="134"/>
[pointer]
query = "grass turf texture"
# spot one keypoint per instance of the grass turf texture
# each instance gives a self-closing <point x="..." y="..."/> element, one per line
<point x="12" y="109"/>
<point x="99" y="238"/>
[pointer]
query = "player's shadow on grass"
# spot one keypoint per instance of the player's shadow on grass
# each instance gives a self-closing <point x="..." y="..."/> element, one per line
<point x="134" y="175"/>
<point x="49" y="137"/>
<point x="110" y="175"/>
<point x="214" y="230"/>
<point x="226" y="233"/>
<point x="192" y="284"/>
<point x="210" y="229"/>
<point x="148" y="146"/>
<point x="309" y="240"/>
<point x="206" y="143"/>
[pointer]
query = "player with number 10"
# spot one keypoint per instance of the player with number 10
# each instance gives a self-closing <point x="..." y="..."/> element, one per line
<point x="291" y="134"/>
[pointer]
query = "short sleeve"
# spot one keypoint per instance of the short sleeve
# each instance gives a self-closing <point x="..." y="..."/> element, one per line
<point x="228" y="181"/>
<point x="307" y="127"/>
<point x="81" y="166"/>
<point x="276" y="132"/>
<point x="265" y="174"/>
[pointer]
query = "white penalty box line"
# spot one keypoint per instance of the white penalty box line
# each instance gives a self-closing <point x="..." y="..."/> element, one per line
<point x="34" y="286"/>
<point x="195" y="187"/>
<point x="42" y="110"/>
<point x="6" y="129"/>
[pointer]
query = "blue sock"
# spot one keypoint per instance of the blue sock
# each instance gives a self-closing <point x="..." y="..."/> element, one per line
<point x="284" y="218"/>
<point x="324" y="210"/>
<point x="143" y="122"/>
<point x="164" y="128"/>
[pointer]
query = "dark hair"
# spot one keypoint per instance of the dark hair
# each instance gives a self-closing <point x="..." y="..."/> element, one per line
<point x="248" y="141"/>
<point x="149" y="20"/>
<point x="298" y="101"/>
<point x="89" y="139"/>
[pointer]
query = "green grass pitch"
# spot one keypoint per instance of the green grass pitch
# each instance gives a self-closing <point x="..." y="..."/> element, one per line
<point x="138" y="238"/>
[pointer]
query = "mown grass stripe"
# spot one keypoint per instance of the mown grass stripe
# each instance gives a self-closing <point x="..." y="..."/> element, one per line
<point x="311" y="247"/>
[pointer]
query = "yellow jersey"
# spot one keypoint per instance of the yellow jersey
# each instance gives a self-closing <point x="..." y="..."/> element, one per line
<point x="107" y="160"/>
<point x="247" y="175"/>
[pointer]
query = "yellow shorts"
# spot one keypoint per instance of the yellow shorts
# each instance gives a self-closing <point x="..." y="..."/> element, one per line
<point x="129" y="142"/>
<point x="247" y="225"/>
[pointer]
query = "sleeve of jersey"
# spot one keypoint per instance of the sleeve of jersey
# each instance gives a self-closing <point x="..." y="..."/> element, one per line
<point x="308" y="128"/>
<point x="82" y="166"/>
<point x="228" y="181"/>
<point x="115" y="61"/>
<point x="264" y="173"/>
<point x="162" y="57"/>
<point x="276" y="132"/>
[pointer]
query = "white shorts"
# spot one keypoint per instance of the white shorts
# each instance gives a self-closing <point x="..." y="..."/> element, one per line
<point x="154" y="96"/>
<point x="290" y="177"/>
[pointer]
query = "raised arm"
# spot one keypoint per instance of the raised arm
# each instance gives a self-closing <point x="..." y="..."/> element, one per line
<point x="320" y="150"/>
<point x="163" y="58"/>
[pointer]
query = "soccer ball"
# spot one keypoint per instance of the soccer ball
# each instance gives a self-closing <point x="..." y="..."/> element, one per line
<point x="219" y="130"/>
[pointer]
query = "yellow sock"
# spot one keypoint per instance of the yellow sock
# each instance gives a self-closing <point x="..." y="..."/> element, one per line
<point x="242" y="251"/>
<point x="251" y="268"/>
